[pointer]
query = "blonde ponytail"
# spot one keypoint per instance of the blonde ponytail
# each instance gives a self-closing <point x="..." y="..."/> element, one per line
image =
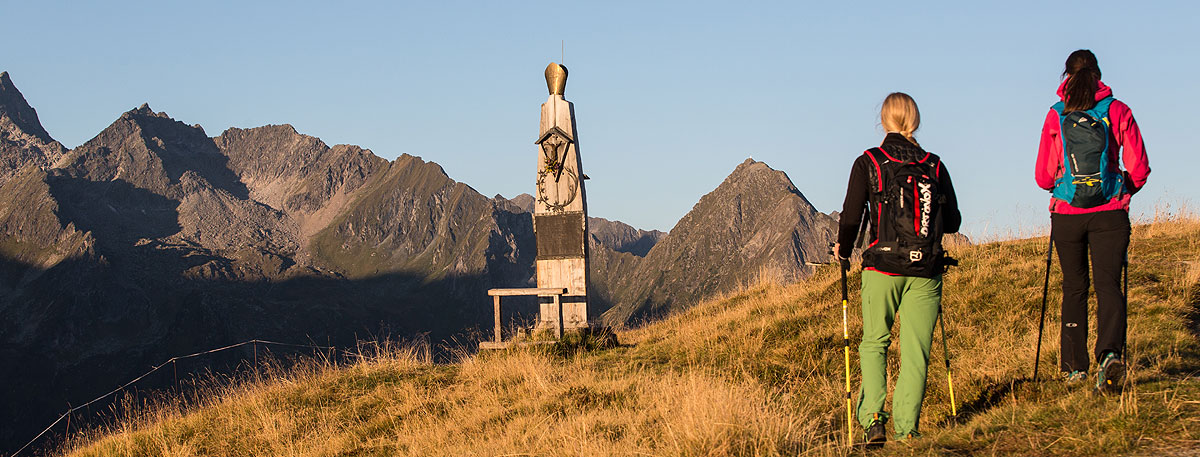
<point x="900" y="114"/>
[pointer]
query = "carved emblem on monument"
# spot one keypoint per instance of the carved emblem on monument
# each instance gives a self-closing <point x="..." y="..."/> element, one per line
<point x="557" y="184"/>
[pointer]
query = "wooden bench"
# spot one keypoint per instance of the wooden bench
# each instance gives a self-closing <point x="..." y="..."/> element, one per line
<point x="555" y="292"/>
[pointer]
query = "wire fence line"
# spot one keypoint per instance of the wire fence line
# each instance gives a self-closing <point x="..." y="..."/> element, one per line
<point x="67" y="414"/>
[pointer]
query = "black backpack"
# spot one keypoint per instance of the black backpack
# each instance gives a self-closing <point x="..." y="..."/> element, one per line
<point x="1088" y="180"/>
<point x="908" y="207"/>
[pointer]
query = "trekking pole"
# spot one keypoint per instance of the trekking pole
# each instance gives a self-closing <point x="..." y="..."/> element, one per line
<point x="1125" y="296"/>
<point x="1037" y="357"/>
<point x="1125" y="279"/>
<point x="949" y="374"/>
<point x="843" y="265"/>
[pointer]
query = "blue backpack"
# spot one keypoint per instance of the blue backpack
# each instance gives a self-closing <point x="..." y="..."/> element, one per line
<point x="1087" y="180"/>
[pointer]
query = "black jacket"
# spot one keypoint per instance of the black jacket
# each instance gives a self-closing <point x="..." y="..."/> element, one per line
<point x="858" y="192"/>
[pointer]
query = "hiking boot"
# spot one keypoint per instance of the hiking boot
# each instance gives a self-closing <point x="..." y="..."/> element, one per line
<point x="876" y="434"/>
<point x="1112" y="373"/>
<point x="1074" y="377"/>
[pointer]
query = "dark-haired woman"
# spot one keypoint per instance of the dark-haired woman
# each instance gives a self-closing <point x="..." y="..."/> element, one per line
<point x="1089" y="214"/>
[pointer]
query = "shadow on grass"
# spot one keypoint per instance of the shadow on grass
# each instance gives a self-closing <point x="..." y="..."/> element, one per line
<point x="993" y="395"/>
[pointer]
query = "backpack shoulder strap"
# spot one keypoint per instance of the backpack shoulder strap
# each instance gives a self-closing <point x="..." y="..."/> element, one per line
<point x="935" y="163"/>
<point x="1100" y="108"/>
<point x="876" y="171"/>
<point x="1100" y="111"/>
<point x="1058" y="108"/>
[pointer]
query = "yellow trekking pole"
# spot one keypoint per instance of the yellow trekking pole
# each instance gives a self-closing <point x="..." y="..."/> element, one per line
<point x="949" y="374"/>
<point x="844" y="264"/>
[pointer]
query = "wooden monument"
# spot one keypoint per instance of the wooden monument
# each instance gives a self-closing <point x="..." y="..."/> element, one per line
<point x="560" y="208"/>
<point x="559" y="221"/>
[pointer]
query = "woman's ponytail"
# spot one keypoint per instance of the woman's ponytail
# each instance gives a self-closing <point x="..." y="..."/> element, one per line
<point x="899" y="113"/>
<point x="1083" y="77"/>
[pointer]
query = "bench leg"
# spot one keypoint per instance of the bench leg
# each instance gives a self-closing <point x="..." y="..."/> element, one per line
<point x="558" y="328"/>
<point x="496" y="311"/>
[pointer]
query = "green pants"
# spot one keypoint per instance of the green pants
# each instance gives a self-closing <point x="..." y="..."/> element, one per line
<point x="916" y="301"/>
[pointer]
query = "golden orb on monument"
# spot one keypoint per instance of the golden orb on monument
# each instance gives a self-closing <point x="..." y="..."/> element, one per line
<point x="556" y="78"/>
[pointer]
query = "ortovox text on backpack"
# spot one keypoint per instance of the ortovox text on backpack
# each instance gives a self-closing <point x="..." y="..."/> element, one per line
<point x="908" y="209"/>
<point x="1088" y="180"/>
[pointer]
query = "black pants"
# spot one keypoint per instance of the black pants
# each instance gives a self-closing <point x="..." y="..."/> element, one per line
<point x="1106" y="235"/>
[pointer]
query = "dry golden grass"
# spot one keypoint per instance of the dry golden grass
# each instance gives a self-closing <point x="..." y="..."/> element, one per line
<point x="755" y="373"/>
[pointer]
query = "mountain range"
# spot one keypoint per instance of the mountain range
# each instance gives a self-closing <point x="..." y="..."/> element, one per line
<point x="154" y="239"/>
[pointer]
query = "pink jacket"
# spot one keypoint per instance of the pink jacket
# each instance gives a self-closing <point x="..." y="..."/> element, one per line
<point x="1130" y="150"/>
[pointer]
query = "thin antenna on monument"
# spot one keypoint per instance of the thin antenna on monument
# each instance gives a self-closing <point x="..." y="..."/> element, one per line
<point x="562" y="52"/>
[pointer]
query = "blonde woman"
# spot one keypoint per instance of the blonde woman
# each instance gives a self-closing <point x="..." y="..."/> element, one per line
<point x="909" y="202"/>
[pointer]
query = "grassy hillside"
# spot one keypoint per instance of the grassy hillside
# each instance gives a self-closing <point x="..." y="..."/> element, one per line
<point x="753" y="373"/>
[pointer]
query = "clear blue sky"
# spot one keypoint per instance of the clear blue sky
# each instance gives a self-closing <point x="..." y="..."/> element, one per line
<point x="669" y="97"/>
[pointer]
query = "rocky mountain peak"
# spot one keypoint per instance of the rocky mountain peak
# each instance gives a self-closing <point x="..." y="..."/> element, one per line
<point x="749" y="162"/>
<point x="755" y="223"/>
<point x="296" y="173"/>
<point x="524" y="201"/>
<point x="759" y="178"/>
<point x="151" y="151"/>
<point x="23" y="141"/>
<point x="145" y="111"/>
<point x="751" y="172"/>
<point x="17" y="110"/>
<point x="750" y="166"/>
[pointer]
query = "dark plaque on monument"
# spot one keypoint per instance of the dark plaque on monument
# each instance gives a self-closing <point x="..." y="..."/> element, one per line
<point x="560" y="236"/>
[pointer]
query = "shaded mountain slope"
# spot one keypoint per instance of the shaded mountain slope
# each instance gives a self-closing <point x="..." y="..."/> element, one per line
<point x="33" y="237"/>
